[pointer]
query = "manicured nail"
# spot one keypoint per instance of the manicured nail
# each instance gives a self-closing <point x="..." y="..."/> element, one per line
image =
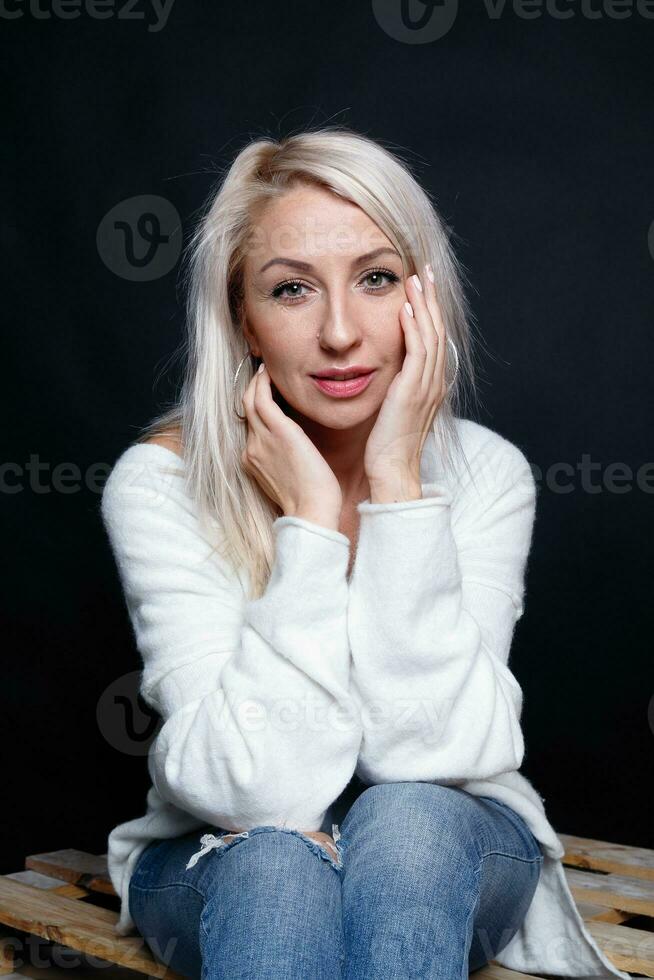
<point x="408" y="308"/>
<point x="417" y="282"/>
<point x="261" y="367"/>
<point x="429" y="271"/>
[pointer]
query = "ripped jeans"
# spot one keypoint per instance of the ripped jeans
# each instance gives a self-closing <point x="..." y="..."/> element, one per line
<point x="429" y="882"/>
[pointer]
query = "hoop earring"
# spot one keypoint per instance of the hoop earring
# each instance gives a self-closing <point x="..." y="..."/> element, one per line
<point x="242" y="418"/>
<point x="456" y="358"/>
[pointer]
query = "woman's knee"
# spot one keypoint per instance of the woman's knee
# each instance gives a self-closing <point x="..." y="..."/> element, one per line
<point x="280" y="882"/>
<point x="401" y="805"/>
<point x="393" y="817"/>
<point x="284" y="853"/>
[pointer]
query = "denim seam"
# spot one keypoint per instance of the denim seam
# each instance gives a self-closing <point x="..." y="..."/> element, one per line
<point x="537" y="860"/>
<point x="514" y="857"/>
<point x="518" y="822"/>
<point x="472" y="911"/>
<point x="202" y="926"/>
<point x="169" y="884"/>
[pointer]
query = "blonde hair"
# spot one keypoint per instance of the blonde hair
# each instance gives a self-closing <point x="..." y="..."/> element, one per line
<point x="362" y="171"/>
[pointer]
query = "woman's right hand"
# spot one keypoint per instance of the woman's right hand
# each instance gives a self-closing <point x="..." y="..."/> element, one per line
<point x="284" y="461"/>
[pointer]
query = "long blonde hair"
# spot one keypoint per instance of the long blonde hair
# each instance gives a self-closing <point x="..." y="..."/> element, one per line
<point x="362" y="171"/>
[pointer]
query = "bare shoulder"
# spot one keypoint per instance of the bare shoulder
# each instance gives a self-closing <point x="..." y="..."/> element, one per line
<point x="170" y="439"/>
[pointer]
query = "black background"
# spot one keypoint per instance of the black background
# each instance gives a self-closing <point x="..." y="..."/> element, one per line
<point x="535" y="138"/>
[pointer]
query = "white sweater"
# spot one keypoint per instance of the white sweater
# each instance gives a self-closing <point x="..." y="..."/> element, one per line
<point x="399" y="673"/>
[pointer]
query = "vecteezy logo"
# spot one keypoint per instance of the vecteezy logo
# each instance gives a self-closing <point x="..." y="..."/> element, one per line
<point x="415" y="21"/>
<point x="140" y="239"/>
<point x="125" y="720"/>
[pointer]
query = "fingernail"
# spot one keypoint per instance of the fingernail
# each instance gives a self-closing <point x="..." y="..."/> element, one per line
<point x="261" y="367"/>
<point x="430" y="271"/>
<point x="408" y="308"/>
<point x="417" y="282"/>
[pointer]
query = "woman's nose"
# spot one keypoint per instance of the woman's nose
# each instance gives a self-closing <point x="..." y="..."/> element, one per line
<point x="339" y="327"/>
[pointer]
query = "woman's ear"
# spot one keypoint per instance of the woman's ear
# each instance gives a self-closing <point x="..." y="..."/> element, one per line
<point x="247" y="331"/>
<point x="251" y="339"/>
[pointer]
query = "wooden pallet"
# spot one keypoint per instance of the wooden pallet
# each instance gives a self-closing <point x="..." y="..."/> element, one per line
<point x="53" y="898"/>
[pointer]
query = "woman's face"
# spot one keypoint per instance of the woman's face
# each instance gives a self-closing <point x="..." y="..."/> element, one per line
<point x="315" y="299"/>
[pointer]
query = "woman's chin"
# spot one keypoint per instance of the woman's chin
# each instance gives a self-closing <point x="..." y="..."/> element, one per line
<point x="332" y="416"/>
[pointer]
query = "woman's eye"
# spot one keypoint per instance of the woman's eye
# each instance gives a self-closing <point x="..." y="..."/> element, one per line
<point x="279" y="291"/>
<point x="378" y="275"/>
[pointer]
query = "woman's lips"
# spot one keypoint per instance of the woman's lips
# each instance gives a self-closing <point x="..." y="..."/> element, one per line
<point x="344" y="389"/>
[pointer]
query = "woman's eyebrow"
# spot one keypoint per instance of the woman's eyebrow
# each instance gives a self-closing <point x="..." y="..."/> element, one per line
<point x="307" y="267"/>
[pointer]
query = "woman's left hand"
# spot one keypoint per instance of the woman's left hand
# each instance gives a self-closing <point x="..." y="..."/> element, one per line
<point x="394" y="447"/>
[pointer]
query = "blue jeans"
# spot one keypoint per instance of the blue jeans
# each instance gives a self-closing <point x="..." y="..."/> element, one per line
<point x="429" y="882"/>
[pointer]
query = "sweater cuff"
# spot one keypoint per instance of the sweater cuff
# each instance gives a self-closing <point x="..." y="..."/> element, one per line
<point x="407" y="542"/>
<point x="310" y="566"/>
<point x="327" y="532"/>
<point x="433" y="495"/>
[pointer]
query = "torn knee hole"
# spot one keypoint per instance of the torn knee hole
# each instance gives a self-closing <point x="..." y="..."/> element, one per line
<point x="328" y="850"/>
<point x="228" y="838"/>
<point x="211" y="841"/>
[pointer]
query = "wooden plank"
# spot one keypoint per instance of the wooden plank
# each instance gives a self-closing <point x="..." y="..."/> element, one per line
<point x="599" y="855"/>
<point x="628" y="949"/>
<point x="77" y="867"/>
<point x="52" y="961"/>
<point x="599" y="913"/>
<point x="493" y="971"/>
<point x="78" y="925"/>
<point x="613" y="891"/>
<point x="56" y="885"/>
<point x="7" y="955"/>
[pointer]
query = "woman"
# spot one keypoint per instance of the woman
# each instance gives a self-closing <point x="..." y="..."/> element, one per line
<point x="324" y="577"/>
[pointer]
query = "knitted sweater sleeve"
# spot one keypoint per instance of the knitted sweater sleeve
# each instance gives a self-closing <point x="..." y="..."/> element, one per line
<point x="434" y="600"/>
<point x="253" y="694"/>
